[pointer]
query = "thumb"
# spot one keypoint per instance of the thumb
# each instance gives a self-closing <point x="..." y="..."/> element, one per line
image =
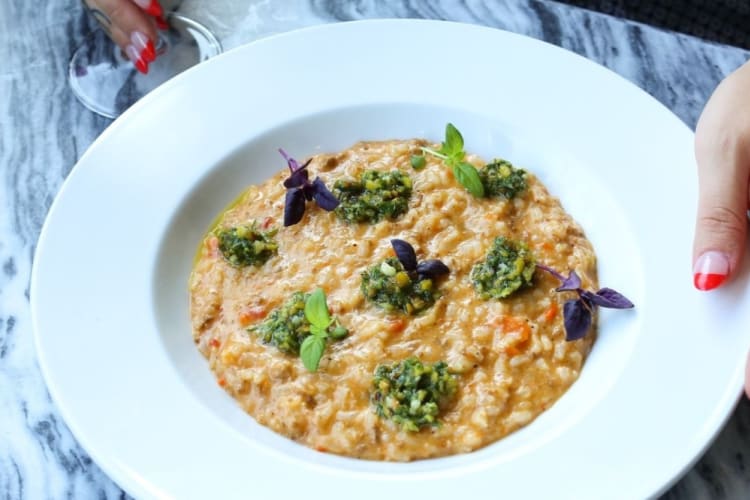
<point x="721" y="224"/>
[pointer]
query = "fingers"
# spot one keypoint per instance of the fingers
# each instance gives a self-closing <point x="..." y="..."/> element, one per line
<point x="131" y="26"/>
<point x="722" y="149"/>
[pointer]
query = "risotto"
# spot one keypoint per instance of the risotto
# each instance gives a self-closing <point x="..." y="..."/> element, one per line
<point x="441" y="362"/>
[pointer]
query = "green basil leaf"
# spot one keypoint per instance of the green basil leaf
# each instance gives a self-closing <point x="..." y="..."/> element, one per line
<point x="454" y="141"/>
<point x="417" y="162"/>
<point x="311" y="351"/>
<point x="468" y="177"/>
<point x="316" y="309"/>
<point x="318" y="331"/>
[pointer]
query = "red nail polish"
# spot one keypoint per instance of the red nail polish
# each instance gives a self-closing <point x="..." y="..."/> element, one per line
<point x="149" y="52"/>
<point x="710" y="270"/>
<point x="706" y="282"/>
<point x="161" y="23"/>
<point x="154" y="8"/>
<point x="144" y="48"/>
<point x="141" y="66"/>
<point x="137" y="59"/>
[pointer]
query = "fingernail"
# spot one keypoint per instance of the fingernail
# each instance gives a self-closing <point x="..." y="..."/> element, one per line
<point x="710" y="270"/>
<point x="152" y="7"/>
<point x="161" y="23"/>
<point x="135" y="57"/>
<point x="144" y="46"/>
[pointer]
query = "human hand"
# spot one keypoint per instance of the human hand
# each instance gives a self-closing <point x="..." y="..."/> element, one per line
<point x="722" y="150"/>
<point x="132" y="25"/>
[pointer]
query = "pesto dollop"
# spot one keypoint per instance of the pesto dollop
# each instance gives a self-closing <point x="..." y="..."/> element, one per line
<point x="246" y="245"/>
<point x="286" y="326"/>
<point x="411" y="393"/>
<point x="501" y="178"/>
<point x="509" y="266"/>
<point x="392" y="288"/>
<point x="375" y="196"/>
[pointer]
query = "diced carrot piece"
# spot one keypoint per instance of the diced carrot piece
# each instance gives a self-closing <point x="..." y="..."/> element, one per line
<point x="550" y="314"/>
<point x="267" y="222"/>
<point x="222" y="381"/>
<point x="518" y="326"/>
<point x="512" y="350"/>
<point x="514" y="324"/>
<point x="250" y="314"/>
<point x="214" y="342"/>
<point x="396" y="325"/>
<point x="212" y="246"/>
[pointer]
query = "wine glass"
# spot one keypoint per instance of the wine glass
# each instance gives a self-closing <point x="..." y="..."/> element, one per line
<point x="106" y="81"/>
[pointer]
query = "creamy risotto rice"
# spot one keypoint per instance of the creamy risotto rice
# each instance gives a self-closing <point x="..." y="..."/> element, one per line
<point x="509" y="356"/>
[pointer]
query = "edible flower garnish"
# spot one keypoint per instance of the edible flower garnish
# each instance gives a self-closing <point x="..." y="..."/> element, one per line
<point x="578" y="312"/>
<point x="316" y="312"/>
<point x="452" y="153"/>
<point x="299" y="188"/>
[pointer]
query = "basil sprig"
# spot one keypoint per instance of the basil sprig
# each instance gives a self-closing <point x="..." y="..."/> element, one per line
<point x="316" y="312"/>
<point x="452" y="153"/>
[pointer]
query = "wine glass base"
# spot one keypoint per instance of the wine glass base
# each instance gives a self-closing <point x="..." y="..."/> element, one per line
<point x="107" y="83"/>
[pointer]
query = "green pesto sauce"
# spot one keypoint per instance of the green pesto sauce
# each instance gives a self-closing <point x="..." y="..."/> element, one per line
<point x="215" y="224"/>
<point x="411" y="393"/>
<point x="390" y="287"/>
<point x="286" y="327"/>
<point x="509" y="266"/>
<point x="246" y="245"/>
<point x="375" y="196"/>
<point x="501" y="178"/>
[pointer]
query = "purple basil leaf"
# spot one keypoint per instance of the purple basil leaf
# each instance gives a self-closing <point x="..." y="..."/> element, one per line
<point x="432" y="268"/>
<point x="570" y="284"/>
<point x="308" y="190"/>
<point x="291" y="162"/>
<point x="551" y="271"/>
<point x="294" y="206"/>
<point x="405" y="253"/>
<point x="323" y="197"/>
<point x="577" y="319"/>
<point x="606" y="297"/>
<point x="296" y="179"/>
<point x="294" y="166"/>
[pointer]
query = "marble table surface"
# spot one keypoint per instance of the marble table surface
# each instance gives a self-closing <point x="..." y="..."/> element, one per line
<point x="44" y="130"/>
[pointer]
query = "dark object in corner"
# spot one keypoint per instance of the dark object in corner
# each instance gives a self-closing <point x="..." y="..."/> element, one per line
<point x="722" y="21"/>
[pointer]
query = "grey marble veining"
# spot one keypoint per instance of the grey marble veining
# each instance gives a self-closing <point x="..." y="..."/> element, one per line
<point x="44" y="130"/>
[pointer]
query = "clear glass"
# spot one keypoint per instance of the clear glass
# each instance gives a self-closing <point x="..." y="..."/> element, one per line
<point x="107" y="83"/>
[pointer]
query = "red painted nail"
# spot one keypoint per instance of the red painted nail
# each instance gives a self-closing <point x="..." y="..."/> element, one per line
<point x="149" y="52"/>
<point x="154" y="8"/>
<point x="150" y="7"/>
<point x="161" y="23"/>
<point x="135" y="57"/>
<point x="142" y="66"/>
<point x="143" y="45"/>
<point x="710" y="270"/>
<point x="706" y="282"/>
